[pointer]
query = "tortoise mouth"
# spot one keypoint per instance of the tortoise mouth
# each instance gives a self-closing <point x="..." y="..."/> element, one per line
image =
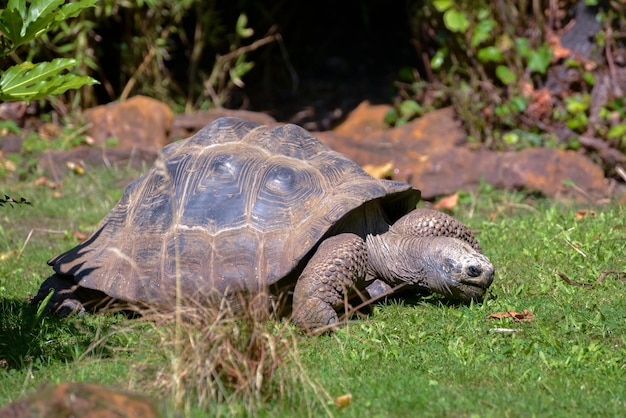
<point x="466" y="293"/>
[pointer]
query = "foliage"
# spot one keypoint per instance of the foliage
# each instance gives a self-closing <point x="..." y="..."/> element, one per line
<point x="185" y="53"/>
<point x="494" y="61"/>
<point x="21" y="23"/>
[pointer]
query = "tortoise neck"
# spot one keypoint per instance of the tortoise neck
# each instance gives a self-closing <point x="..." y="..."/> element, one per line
<point x="398" y="259"/>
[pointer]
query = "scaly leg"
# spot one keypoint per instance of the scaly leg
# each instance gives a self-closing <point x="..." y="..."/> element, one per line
<point x="337" y="268"/>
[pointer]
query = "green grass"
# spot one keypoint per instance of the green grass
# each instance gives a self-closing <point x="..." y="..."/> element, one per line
<point x="413" y="357"/>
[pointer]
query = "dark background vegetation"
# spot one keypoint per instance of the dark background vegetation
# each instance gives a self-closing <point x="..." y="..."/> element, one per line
<point x="519" y="74"/>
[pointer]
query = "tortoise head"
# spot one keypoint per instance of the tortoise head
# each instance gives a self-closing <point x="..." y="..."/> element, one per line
<point x="460" y="272"/>
<point x="444" y="265"/>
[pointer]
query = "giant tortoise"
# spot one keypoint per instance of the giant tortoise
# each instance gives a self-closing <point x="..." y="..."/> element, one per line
<point x="245" y="207"/>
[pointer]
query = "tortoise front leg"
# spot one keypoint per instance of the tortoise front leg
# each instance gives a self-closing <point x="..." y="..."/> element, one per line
<point x="337" y="268"/>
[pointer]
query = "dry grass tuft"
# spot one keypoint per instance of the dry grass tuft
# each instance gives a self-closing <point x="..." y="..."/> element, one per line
<point x="230" y="354"/>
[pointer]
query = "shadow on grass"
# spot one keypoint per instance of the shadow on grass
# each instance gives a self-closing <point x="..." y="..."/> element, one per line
<point x="411" y="297"/>
<point x="29" y="340"/>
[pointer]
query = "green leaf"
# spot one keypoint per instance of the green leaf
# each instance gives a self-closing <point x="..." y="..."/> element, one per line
<point x="442" y="5"/>
<point x="29" y="81"/>
<point x="522" y="45"/>
<point x="510" y="138"/>
<point x="505" y="75"/>
<point x="518" y="103"/>
<point x="482" y="32"/>
<point x="20" y="25"/>
<point x="74" y="8"/>
<point x="18" y="5"/>
<point x="455" y="20"/>
<point x="409" y="108"/>
<point x="577" y="104"/>
<point x="539" y="60"/>
<point x="40" y="10"/>
<point x="436" y="62"/>
<point x="391" y="116"/>
<point x="617" y="131"/>
<point x="242" y="30"/>
<point x="11" y="26"/>
<point x="490" y="54"/>
<point x="589" y="78"/>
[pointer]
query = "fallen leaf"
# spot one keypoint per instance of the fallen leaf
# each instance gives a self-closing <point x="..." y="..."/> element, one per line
<point x="46" y="182"/>
<point x="343" y="400"/>
<point x="583" y="213"/>
<point x="383" y="171"/>
<point x="77" y="168"/>
<point x="527" y="89"/>
<point x="540" y="106"/>
<point x="41" y="181"/>
<point x="49" y="130"/>
<point x="447" y="203"/>
<point x="524" y="316"/>
<point x="8" y="165"/>
<point x="558" y="50"/>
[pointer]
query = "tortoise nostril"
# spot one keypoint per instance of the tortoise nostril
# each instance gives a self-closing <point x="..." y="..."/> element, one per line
<point x="474" y="271"/>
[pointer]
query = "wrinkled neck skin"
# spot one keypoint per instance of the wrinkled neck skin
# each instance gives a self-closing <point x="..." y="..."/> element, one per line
<point x="399" y="259"/>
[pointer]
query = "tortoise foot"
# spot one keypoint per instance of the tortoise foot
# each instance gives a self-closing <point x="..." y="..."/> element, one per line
<point x="314" y="315"/>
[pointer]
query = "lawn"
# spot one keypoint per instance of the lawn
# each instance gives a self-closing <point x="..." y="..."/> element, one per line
<point x="417" y="356"/>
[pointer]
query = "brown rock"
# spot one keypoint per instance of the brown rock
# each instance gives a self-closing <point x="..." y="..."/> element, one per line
<point x="14" y="111"/>
<point x="139" y="122"/>
<point x="81" y="400"/>
<point x="552" y="172"/>
<point x="431" y="154"/>
<point x="363" y="121"/>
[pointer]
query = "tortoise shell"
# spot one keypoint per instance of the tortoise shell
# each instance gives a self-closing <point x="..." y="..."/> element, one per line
<point x="236" y="206"/>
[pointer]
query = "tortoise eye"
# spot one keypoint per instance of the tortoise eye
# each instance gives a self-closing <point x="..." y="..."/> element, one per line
<point x="474" y="271"/>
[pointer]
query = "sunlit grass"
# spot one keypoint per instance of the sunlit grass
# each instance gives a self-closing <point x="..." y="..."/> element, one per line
<point x="409" y="357"/>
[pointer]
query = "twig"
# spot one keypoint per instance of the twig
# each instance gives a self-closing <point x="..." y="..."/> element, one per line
<point x="621" y="172"/>
<point x="505" y="330"/>
<point x="609" y="60"/>
<point x="142" y="67"/>
<point x="221" y="65"/>
<point x="568" y="242"/>
<point x="621" y="276"/>
<point x="30" y="234"/>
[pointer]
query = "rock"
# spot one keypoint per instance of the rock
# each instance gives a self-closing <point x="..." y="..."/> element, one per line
<point x="187" y="124"/>
<point x="11" y="143"/>
<point x="139" y="122"/>
<point x="431" y="153"/>
<point x="14" y="111"/>
<point x="363" y="121"/>
<point x="84" y="400"/>
<point x="553" y="172"/>
<point x="579" y="38"/>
